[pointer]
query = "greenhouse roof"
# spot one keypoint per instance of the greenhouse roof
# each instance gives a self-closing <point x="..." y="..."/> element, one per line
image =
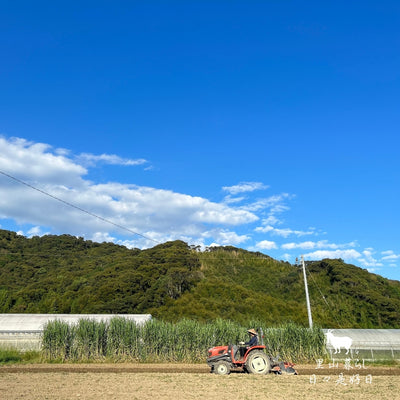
<point x="378" y="338"/>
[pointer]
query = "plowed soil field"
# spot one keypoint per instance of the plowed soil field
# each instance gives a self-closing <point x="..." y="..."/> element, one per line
<point x="188" y="381"/>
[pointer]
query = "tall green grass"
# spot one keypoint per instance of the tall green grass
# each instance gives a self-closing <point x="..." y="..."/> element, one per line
<point x="89" y="339"/>
<point x="56" y="340"/>
<point x="123" y="339"/>
<point x="15" y="356"/>
<point x="159" y="341"/>
<point x="295" y="343"/>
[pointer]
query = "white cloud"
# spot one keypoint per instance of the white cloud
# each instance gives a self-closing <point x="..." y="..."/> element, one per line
<point x="389" y="255"/>
<point x="225" y="237"/>
<point x="349" y="254"/>
<point x="321" y="244"/>
<point x="155" y="213"/>
<point x="230" y="200"/>
<point x="279" y="208"/>
<point x="269" y="202"/>
<point x="35" y="231"/>
<point x="286" y="232"/>
<point x="286" y="257"/>
<point x="244" y="187"/>
<point x="102" y="237"/>
<point x="368" y="259"/>
<point x="372" y="270"/>
<point x="271" y="220"/>
<point x="303" y="245"/>
<point x="36" y="162"/>
<point x="274" y="203"/>
<point x="92" y="159"/>
<point x="265" y="229"/>
<point x="364" y="259"/>
<point x="266" y="245"/>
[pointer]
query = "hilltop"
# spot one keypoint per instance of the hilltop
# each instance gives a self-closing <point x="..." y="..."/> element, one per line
<point x="66" y="274"/>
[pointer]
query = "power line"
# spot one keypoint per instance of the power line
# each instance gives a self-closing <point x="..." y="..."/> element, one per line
<point x="76" y="207"/>
<point x="323" y="297"/>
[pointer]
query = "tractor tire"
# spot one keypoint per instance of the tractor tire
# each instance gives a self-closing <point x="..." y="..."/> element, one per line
<point x="258" y="363"/>
<point x="222" y="368"/>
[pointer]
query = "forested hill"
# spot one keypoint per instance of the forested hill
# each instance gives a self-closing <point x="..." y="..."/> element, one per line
<point x="65" y="274"/>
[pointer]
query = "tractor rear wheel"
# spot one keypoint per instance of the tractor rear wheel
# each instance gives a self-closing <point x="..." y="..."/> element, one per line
<point x="222" y="368"/>
<point x="258" y="363"/>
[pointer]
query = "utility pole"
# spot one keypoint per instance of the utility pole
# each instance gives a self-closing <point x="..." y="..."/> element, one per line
<point x="307" y="297"/>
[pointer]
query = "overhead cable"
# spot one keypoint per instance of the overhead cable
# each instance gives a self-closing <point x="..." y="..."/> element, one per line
<point x="76" y="207"/>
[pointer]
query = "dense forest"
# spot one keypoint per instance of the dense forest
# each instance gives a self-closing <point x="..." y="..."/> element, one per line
<point x="66" y="274"/>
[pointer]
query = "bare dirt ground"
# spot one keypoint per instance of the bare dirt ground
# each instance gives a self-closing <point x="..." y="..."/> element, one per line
<point x="188" y="381"/>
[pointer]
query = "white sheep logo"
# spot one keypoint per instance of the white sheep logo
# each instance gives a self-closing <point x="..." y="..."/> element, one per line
<point x="338" y="342"/>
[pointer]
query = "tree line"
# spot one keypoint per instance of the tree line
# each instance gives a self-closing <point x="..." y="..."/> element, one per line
<point x="174" y="281"/>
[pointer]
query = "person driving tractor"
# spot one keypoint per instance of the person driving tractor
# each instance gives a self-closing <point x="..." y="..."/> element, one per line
<point x="252" y="342"/>
<point x="253" y="338"/>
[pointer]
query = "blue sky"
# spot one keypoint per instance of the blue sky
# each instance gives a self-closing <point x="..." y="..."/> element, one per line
<point x="267" y="125"/>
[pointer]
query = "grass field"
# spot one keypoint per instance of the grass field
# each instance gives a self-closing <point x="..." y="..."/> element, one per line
<point x="190" y="381"/>
<point x="159" y="341"/>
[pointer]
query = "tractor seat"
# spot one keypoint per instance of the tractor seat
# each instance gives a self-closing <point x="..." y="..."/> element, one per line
<point x="236" y="352"/>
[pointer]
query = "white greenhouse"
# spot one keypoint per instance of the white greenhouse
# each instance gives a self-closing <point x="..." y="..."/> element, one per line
<point x="23" y="331"/>
<point x="368" y="344"/>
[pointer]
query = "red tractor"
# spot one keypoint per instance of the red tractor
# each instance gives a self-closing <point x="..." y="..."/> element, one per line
<point x="222" y="359"/>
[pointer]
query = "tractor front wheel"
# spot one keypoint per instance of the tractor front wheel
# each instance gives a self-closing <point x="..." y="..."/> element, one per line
<point x="258" y="363"/>
<point x="222" y="368"/>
